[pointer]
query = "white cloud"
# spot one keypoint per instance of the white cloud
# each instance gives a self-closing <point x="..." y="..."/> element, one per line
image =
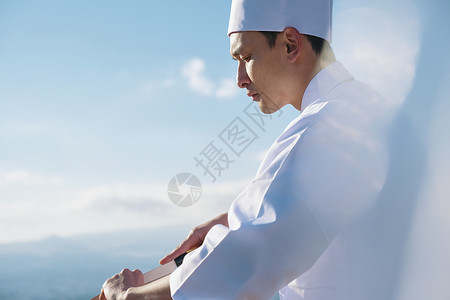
<point x="193" y="70"/>
<point x="69" y="211"/>
<point x="123" y="197"/>
<point x="197" y="81"/>
<point x="223" y="193"/>
<point x="379" y="47"/>
<point x="27" y="178"/>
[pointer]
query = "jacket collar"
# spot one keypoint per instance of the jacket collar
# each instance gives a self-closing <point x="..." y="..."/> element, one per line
<point x="325" y="81"/>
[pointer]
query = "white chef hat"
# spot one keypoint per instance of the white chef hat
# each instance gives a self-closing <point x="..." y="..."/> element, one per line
<point x="312" y="17"/>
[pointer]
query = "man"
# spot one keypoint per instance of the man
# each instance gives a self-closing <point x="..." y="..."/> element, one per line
<point x="287" y="230"/>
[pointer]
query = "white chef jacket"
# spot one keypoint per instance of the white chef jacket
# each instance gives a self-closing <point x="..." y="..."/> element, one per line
<point x="287" y="228"/>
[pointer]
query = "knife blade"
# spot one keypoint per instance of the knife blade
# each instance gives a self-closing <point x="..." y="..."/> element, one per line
<point x="163" y="270"/>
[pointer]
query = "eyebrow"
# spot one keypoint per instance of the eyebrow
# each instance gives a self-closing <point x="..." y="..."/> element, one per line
<point x="236" y="53"/>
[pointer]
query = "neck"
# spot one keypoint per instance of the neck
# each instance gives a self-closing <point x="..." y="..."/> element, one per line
<point x="308" y="68"/>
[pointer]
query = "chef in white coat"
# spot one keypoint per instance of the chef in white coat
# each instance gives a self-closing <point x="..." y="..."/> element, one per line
<point x="286" y="231"/>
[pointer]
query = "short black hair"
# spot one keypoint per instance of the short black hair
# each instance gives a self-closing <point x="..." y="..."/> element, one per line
<point x="271" y="37"/>
<point x="317" y="43"/>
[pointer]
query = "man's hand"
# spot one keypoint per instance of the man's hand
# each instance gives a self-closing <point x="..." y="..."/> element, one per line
<point x="117" y="287"/>
<point x="129" y="285"/>
<point x="195" y="237"/>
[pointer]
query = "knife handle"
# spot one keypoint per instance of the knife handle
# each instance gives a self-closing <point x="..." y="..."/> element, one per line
<point x="179" y="259"/>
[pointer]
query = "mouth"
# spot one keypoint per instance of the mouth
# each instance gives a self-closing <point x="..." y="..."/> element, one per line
<point x="254" y="96"/>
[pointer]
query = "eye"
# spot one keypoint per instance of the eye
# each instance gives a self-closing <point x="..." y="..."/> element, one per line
<point x="247" y="58"/>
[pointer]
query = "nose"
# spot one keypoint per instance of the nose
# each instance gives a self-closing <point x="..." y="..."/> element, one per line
<point x="242" y="78"/>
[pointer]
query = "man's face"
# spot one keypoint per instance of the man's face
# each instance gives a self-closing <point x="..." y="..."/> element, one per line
<point x="260" y="69"/>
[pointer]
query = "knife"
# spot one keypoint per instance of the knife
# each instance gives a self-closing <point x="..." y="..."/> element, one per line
<point x="160" y="272"/>
<point x="163" y="270"/>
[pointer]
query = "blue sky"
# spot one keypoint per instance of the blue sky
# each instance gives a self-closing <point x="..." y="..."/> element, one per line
<point x="103" y="102"/>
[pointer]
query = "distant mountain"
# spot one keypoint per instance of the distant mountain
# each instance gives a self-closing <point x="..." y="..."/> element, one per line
<point x="76" y="267"/>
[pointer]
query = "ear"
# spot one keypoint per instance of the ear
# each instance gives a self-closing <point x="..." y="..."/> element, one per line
<point x="293" y="41"/>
